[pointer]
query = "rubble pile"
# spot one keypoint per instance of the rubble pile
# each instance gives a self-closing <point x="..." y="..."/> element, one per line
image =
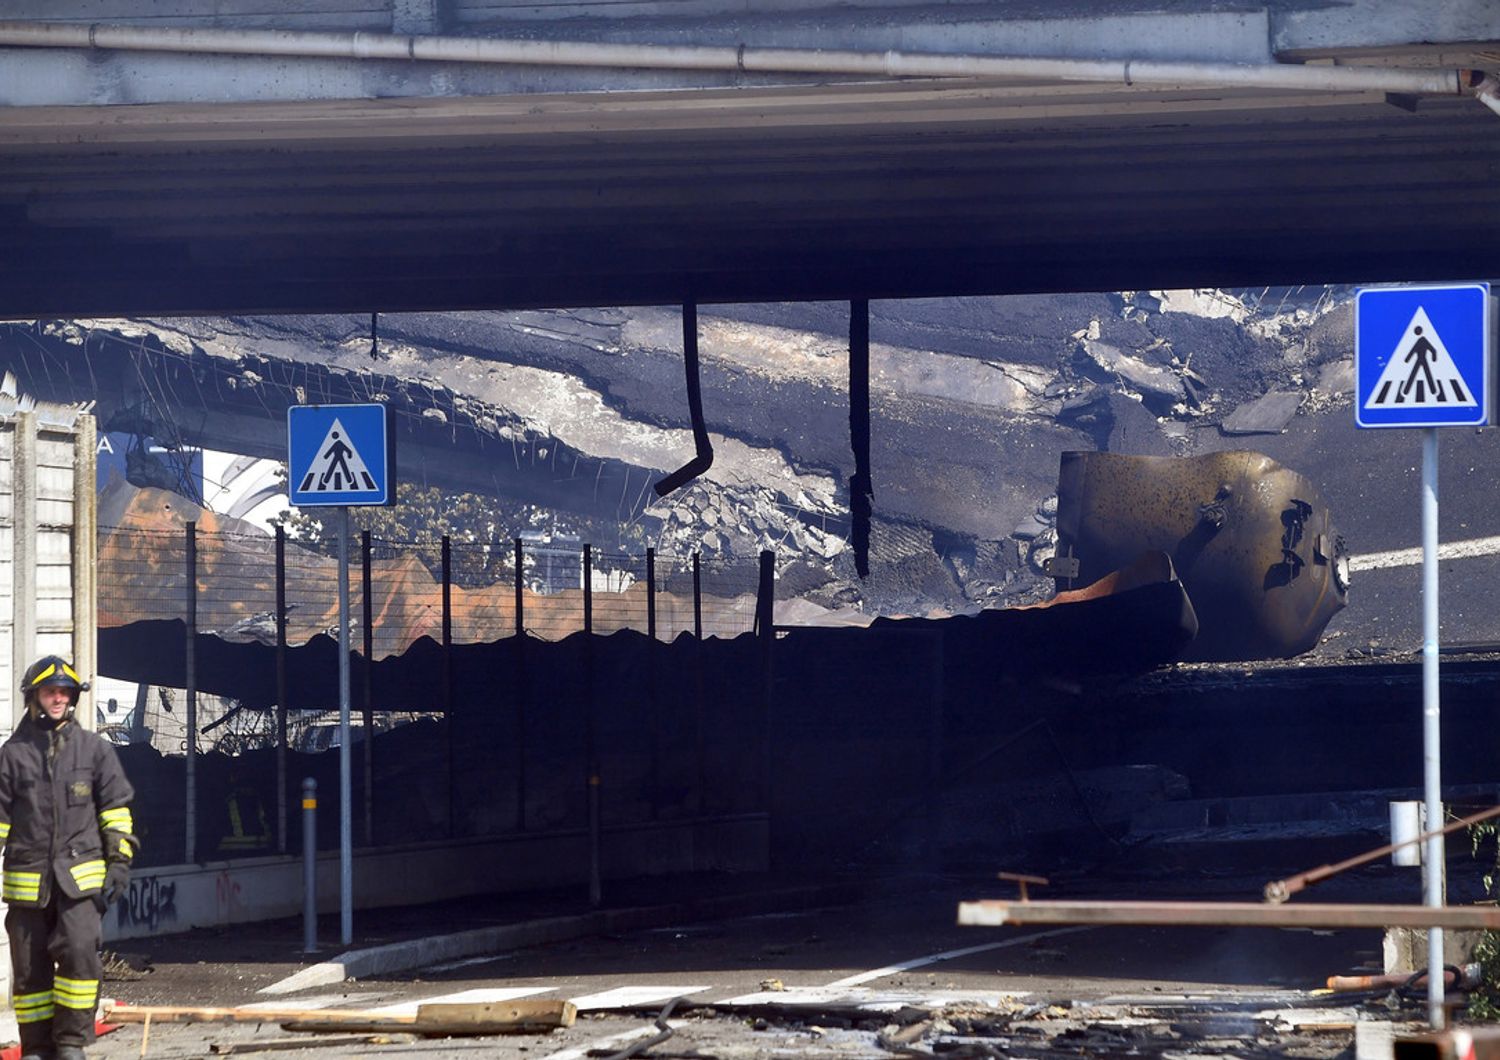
<point x="973" y="400"/>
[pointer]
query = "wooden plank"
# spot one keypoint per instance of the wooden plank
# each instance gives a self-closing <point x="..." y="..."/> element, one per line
<point x="529" y="1011"/>
<point x="1228" y="914"/>
<point x="302" y="1042"/>
<point x="123" y="1012"/>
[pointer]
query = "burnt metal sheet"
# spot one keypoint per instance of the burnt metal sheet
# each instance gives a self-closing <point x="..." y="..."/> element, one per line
<point x="1252" y="542"/>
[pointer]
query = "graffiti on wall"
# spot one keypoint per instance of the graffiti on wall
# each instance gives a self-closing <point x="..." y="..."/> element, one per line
<point x="227" y="897"/>
<point x="150" y="903"/>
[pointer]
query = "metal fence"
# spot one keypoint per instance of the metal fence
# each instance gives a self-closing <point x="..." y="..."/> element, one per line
<point x="178" y="606"/>
<point x="401" y="591"/>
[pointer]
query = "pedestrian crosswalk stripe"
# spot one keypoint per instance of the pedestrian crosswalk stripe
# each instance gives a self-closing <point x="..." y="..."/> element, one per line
<point x="633" y="996"/>
<point x="1421" y="372"/>
<point x="598" y="1045"/>
<point x="870" y="1000"/>
<point x="477" y="996"/>
<point x="338" y="467"/>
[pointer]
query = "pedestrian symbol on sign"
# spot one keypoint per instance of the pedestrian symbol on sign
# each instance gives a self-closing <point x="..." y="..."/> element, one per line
<point x="337" y="467"/>
<point x="1420" y="372"/>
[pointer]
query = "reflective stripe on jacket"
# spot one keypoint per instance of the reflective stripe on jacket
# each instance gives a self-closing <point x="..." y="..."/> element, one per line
<point x="62" y="822"/>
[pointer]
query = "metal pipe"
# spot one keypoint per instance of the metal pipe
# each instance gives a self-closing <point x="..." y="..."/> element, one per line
<point x="346" y="814"/>
<point x="190" y="679"/>
<point x="1281" y="890"/>
<point x="703" y="450"/>
<point x="368" y="670"/>
<point x="994" y="913"/>
<point x="1433" y="859"/>
<point x="733" y="58"/>
<point x="309" y="865"/>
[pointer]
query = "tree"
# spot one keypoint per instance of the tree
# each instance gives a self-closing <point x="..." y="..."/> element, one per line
<point x="482" y="529"/>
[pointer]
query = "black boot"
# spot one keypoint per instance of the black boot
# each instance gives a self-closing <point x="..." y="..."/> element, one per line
<point x="70" y="1052"/>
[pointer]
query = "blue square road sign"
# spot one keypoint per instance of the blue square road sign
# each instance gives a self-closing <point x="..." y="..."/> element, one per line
<point x="340" y="455"/>
<point x="1422" y="356"/>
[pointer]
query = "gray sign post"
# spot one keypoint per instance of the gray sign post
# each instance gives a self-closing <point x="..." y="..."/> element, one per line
<point x="337" y="456"/>
<point x="1422" y="359"/>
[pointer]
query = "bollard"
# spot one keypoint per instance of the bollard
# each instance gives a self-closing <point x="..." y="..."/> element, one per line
<point x="309" y="865"/>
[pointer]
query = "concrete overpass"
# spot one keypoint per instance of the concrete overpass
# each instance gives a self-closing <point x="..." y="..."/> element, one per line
<point x="193" y="157"/>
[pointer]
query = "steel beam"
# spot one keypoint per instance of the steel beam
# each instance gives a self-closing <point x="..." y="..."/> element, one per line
<point x="991" y="913"/>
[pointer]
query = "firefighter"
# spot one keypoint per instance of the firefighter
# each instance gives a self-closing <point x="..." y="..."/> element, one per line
<point x="65" y="822"/>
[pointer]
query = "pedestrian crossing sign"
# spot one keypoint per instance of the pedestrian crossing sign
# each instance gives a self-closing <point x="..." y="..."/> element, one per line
<point x="1422" y="356"/>
<point x="340" y="455"/>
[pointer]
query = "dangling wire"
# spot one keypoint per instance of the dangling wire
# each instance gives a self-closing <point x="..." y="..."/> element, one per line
<point x="374" y="336"/>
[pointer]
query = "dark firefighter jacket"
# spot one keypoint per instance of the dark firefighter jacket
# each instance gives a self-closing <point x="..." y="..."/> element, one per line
<point x="62" y="820"/>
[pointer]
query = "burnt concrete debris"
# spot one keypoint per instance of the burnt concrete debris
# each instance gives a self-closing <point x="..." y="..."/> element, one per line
<point x="1265" y="415"/>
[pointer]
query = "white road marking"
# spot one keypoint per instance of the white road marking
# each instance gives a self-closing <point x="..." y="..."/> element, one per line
<point x="476" y="996"/>
<point x="578" y="1052"/>
<point x="948" y="955"/>
<point x="872" y="1000"/>
<point x="450" y="966"/>
<point x="321" y="1001"/>
<point x="633" y="996"/>
<point x="1410" y="557"/>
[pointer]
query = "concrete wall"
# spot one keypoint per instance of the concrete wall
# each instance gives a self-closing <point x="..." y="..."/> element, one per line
<point x="180" y="897"/>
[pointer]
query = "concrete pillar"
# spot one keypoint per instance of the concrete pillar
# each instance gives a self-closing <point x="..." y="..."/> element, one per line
<point x="23" y="556"/>
<point x="85" y="563"/>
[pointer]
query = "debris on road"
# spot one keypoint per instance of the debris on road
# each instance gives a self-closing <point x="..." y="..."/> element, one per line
<point x="467" y="1019"/>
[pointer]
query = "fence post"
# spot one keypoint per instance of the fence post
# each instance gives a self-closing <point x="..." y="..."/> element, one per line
<point x="309" y="865"/>
<point x="697" y="598"/>
<point x="281" y="708"/>
<point x="653" y="701"/>
<point x="520" y="689"/>
<point x="699" y="735"/>
<point x="368" y="617"/>
<point x="590" y="745"/>
<point x="190" y="647"/>
<point x="861" y="489"/>
<point x="448" y="685"/>
<point x="651" y="593"/>
<point x="765" y="607"/>
<point x="588" y="588"/>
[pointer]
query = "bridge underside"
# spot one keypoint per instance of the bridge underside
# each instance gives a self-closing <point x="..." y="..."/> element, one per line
<point x="810" y="192"/>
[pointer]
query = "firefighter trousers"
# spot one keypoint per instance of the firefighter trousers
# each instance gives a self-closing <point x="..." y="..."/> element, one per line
<point x="54" y="953"/>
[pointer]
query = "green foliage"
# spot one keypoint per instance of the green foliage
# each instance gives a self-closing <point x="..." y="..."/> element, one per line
<point x="1484" y="1003"/>
<point x="482" y="530"/>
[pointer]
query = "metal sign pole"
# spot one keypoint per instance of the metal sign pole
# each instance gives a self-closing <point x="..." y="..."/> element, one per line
<point x="1433" y="862"/>
<point x="346" y="816"/>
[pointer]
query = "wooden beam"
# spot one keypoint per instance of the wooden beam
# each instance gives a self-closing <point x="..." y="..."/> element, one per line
<point x="1227" y="914"/>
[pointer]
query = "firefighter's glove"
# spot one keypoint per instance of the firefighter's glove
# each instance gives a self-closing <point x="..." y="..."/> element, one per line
<point x="116" y="881"/>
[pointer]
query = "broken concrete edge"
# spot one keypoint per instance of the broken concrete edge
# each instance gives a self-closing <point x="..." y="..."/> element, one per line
<point x="422" y="952"/>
